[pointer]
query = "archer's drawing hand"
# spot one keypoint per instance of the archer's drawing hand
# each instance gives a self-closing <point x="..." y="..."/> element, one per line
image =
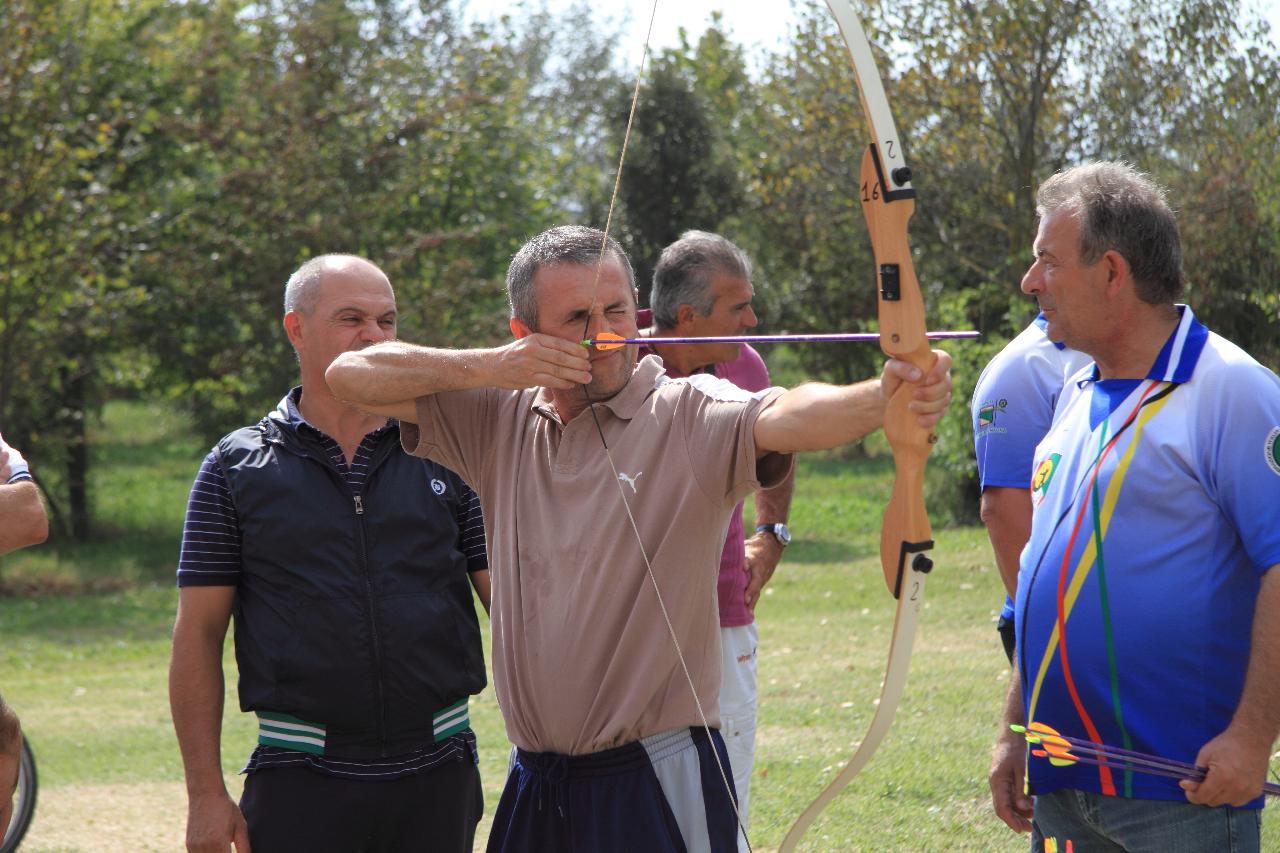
<point x="932" y="394"/>
<point x="542" y="360"/>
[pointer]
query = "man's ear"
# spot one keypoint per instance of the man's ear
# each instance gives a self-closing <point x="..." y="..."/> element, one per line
<point x="1118" y="270"/>
<point x="519" y="329"/>
<point x="685" y="315"/>
<point x="293" y="328"/>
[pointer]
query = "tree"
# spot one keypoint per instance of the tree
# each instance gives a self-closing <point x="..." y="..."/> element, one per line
<point x="676" y="176"/>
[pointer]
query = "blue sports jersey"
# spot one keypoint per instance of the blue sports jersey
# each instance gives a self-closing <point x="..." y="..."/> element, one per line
<point x="1012" y="408"/>
<point x="1156" y="512"/>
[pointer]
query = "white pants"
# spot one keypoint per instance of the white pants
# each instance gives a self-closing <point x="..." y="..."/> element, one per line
<point x="738" y="698"/>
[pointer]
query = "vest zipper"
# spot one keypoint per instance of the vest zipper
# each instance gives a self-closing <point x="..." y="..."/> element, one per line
<point x="376" y="642"/>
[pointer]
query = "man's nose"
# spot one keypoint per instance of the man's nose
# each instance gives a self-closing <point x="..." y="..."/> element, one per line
<point x="1030" y="281"/>
<point x="597" y="322"/>
<point x="371" y="330"/>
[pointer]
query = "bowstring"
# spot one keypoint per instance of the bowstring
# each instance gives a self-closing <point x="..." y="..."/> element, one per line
<point x="635" y="529"/>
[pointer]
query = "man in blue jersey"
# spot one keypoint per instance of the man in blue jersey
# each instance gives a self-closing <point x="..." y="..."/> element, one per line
<point x="1148" y="609"/>
<point x="349" y="567"/>
<point x="1012" y="408"/>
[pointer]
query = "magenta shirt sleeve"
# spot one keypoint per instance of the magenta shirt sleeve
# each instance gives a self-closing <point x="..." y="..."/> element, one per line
<point x="749" y="373"/>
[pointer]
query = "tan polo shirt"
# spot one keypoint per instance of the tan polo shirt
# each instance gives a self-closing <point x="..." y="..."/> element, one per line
<point x="582" y="658"/>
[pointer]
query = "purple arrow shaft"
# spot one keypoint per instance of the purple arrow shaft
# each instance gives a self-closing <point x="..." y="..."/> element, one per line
<point x="1120" y="764"/>
<point x="772" y="339"/>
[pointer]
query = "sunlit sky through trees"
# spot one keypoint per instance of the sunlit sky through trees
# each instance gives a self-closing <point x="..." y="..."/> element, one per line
<point x="752" y="24"/>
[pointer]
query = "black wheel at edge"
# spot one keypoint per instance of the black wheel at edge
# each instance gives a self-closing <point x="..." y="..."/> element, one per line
<point x="24" y="801"/>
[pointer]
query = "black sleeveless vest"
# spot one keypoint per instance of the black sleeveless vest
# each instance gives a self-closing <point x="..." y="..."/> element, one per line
<point x="355" y="614"/>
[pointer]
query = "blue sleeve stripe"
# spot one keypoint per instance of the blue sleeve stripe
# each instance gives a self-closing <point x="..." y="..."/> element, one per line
<point x="471" y="538"/>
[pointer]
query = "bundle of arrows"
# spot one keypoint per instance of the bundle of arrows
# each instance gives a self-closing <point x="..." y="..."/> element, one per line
<point x="1064" y="750"/>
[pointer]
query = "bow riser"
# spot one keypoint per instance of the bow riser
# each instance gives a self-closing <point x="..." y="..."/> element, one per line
<point x="905" y="530"/>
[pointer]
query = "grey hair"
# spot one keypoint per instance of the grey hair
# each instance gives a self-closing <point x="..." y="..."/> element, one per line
<point x="565" y="244"/>
<point x="686" y="271"/>
<point x="302" y="291"/>
<point x="1121" y="209"/>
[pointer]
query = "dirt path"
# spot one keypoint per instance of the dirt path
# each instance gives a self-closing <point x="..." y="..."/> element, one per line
<point x="145" y="817"/>
<point x="141" y="817"/>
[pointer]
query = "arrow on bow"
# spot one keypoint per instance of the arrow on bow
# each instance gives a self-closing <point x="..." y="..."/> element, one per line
<point x="609" y="340"/>
<point x="888" y="201"/>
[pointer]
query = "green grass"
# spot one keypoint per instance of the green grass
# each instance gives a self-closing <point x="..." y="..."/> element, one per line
<point x="143" y="461"/>
<point x="87" y="672"/>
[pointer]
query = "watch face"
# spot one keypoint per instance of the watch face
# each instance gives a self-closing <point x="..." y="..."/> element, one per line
<point x="783" y="534"/>
<point x="779" y="531"/>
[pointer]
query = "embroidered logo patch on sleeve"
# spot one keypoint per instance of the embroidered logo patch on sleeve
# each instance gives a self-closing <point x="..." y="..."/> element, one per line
<point x="987" y="412"/>
<point x="1272" y="451"/>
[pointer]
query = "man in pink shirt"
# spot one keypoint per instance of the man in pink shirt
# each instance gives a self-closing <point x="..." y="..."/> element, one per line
<point x="702" y="288"/>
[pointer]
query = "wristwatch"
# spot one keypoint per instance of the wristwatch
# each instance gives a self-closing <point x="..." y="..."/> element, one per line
<point x="779" y="531"/>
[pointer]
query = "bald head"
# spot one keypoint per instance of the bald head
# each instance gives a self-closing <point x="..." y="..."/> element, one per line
<point x="335" y="304"/>
<point x="302" y="292"/>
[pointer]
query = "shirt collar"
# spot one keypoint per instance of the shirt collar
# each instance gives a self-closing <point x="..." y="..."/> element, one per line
<point x="1042" y="323"/>
<point x="288" y="414"/>
<point x="1181" y="352"/>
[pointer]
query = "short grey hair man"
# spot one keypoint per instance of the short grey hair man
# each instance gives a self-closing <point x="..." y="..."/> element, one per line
<point x="1121" y="208"/>
<point x="686" y="271"/>
<point x="578" y="245"/>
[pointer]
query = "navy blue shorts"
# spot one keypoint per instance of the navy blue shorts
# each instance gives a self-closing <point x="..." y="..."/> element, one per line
<point x="662" y="794"/>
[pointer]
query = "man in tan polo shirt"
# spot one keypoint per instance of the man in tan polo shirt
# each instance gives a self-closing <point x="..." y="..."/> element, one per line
<point x="608" y="687"/>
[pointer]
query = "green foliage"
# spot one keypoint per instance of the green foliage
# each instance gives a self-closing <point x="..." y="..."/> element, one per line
<point x="677" y="174"/>
<point x="164" y="167"/>
<point x="812" y="246"/>
<point x="143" y="459"/>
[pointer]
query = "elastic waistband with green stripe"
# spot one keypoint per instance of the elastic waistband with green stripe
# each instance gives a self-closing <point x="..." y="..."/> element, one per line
<point x="290" y="732"/>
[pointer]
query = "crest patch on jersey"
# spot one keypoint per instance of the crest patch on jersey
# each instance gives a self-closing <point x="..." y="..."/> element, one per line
<point x="1044" y="473"/>
<point x="1272" y="450"/>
